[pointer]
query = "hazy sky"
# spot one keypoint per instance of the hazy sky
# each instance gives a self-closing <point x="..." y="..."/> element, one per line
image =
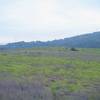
<point x="30" y="20"/>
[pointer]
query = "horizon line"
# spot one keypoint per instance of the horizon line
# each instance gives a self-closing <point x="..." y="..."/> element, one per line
<point x="48" y="40"/>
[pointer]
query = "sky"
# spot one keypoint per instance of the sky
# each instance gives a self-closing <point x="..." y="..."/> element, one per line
<point x="32" y="20"/>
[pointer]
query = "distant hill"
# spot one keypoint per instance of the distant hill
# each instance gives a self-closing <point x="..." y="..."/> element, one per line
<point x="91" y="40"/>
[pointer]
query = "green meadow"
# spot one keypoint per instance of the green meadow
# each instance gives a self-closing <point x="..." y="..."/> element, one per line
<point x="50" y="73"/>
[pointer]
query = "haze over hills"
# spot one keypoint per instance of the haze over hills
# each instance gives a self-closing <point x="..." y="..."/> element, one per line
<point x="90" y="40"/>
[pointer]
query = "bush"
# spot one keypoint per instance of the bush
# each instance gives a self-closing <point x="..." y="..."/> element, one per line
<point x="73" y="49"/>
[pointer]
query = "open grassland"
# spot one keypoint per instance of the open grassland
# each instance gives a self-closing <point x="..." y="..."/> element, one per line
<point x="50" y="74"/>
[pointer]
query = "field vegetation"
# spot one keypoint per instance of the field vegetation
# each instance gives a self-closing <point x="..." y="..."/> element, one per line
<point x="50" y="73"/>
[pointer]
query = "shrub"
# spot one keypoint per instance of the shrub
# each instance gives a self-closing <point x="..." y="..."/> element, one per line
<point x="73" y="49"/>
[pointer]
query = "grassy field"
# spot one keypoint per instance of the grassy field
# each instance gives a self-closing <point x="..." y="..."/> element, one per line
<point x="50" y="74"/>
